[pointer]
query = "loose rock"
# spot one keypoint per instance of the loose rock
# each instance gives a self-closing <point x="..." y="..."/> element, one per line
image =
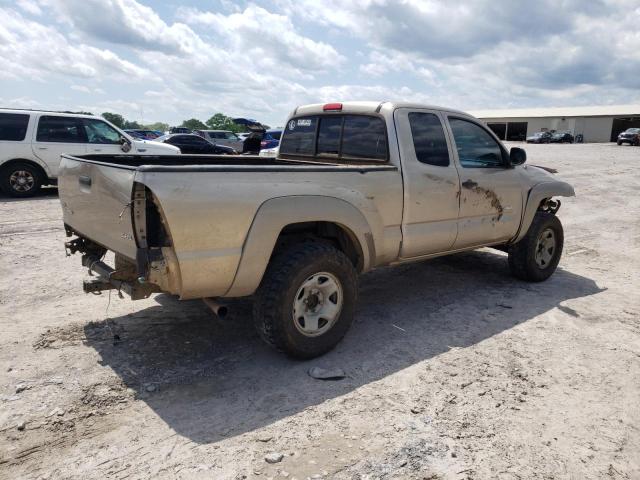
<point x="274" y="457"/>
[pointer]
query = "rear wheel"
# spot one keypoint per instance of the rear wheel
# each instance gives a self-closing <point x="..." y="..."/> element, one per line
<point x="306" y="301"/>
<point x="21" y="179"/>
<point x="536" y="256"/>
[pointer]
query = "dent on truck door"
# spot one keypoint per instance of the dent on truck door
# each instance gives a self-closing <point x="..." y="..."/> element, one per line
<point x="431" y="183"/>
<point x="491" y="194"/>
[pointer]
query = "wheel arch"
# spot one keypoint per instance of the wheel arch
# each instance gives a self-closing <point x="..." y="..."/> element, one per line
<point x="41" y="169"/>
<point x="537" y="195"/>
<point x="285" y="219"/>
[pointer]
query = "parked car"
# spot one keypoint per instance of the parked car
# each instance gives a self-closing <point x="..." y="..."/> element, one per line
<point x="630" y="136"/>
<point x="137" y="134"/>
<point x="540" y="137"/>
<point x="271" y="139"/>
<point x="562" y="137"/>
<point x="145" y="134"/>
<point x="31" y="143"/>
<point x="180" y="130"/>
<point x="346" y="195"/>
<point x="222" y="137"/>
<point x="194" y="144"/>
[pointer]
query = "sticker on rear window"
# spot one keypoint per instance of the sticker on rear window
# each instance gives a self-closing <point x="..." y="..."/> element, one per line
<point x="304" y="122"/>
<point x="292" y="125"/>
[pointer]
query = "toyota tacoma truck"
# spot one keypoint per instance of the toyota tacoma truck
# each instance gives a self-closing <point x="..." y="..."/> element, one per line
<point x="355" y="186"/>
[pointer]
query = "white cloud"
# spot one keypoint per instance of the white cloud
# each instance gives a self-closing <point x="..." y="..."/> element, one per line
<point x="29" y="6"/>
<point x="270" y="39"/>
<point x="29" y="49"/>
<point x="126" y="22"/>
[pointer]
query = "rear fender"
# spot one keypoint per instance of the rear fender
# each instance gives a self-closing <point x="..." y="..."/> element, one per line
<point x="274" y="215"/>
<point x="536" y="195"/>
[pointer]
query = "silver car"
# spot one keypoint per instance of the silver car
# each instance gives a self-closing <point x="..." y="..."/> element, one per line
<point x="223" y="137"/>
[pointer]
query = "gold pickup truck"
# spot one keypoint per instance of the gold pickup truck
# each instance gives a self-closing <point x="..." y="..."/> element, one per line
<point x="355" y="186"/>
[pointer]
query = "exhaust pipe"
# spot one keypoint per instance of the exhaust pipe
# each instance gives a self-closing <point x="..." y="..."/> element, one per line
<point x="220" y="310"/>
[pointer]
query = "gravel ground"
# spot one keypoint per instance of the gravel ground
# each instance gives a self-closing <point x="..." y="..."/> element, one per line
<point x="454" y="369"/>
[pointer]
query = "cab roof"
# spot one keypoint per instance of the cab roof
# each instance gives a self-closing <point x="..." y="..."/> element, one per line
<point x="366" y="107"/>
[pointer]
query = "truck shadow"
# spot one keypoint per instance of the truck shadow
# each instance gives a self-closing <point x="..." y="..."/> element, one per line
<point x="209" y="379"/>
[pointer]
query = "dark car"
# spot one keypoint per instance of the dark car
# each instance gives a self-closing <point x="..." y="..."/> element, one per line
<point x="194" y="144"/>
<point x="540" y="137"/>
<point x="562" y="137"/>
<point x="630" y="136"/>
<point x="180" y="130"/>
<point x="271" y="139"/>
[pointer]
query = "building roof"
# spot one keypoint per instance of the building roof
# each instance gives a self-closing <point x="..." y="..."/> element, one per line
<point x="594" y="111"/>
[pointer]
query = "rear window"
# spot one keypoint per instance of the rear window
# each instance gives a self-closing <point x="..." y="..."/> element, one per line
<point x="300" y="137"/>
<point x="13" y="126"/>
<point x="340" y="136"/>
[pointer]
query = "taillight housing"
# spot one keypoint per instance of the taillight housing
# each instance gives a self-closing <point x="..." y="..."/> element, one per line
<point x="332" y="107"/>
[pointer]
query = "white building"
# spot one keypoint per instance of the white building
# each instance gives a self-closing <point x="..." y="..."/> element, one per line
<point x="595" y="124"/>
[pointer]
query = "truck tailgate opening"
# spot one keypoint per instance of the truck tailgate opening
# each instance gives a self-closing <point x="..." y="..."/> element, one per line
<point x="96" y="203"/>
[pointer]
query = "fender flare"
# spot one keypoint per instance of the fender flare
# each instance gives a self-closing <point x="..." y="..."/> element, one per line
<point x="536" y="195"/>
<point x="275" y="214"/>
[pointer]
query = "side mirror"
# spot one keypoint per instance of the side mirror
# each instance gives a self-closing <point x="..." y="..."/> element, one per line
<point x="125" y="145"/>
<point x="517" y="156"/>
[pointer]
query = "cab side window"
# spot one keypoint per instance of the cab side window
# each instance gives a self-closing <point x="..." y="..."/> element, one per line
<point x="60" y="129"/>
<point x="476" y="148"/>
<point x="428" y="139"/>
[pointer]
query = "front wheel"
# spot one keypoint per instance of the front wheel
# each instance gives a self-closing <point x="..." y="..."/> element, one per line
<point x="536" y="256"/>
<point x="306" y="301"/>
<point x="20" y="179"/>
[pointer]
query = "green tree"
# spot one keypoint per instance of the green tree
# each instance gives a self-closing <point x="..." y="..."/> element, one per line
<point x="160" y="126"/>
<point x="115" y="118"/>
<point x="131" y="125"/>
<point x="194" y="124"/>
<point x="220" y="121"/>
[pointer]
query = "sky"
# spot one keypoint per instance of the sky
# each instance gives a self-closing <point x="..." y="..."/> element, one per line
<point x="172" y="60"/>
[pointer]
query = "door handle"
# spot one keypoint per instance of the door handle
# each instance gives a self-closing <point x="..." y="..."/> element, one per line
<point x="97" y="149"/>
<point x="42" y="148"/>
<point x="469" y="184"/>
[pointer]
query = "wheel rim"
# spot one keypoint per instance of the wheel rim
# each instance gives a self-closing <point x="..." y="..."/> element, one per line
<point x="317" y="304"/>
<point x="545" y="248"/>
<point x="22" y="180"/>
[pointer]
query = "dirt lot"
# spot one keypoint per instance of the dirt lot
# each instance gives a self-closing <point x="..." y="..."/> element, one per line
<point x="455" y="370"/>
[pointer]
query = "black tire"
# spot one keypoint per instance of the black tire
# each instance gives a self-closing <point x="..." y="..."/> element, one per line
<point x="273" y="308"/>
<point x="522" y="255"/>
<point x="11" y="187"/>
<point x="619" y="142"/>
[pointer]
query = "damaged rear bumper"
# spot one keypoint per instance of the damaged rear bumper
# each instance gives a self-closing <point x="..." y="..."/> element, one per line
<point x="108" y="278"/>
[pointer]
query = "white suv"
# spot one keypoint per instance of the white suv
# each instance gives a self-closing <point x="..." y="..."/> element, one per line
<point x="31" y="143"/>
